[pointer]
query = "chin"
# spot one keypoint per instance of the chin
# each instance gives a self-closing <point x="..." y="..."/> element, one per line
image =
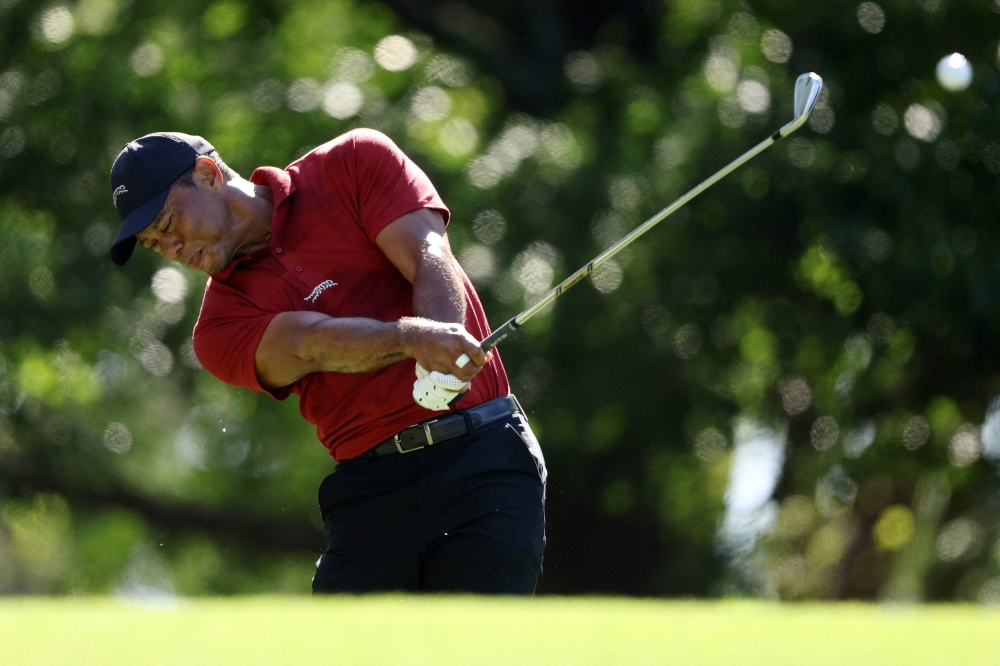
<point x="213" y="263"/>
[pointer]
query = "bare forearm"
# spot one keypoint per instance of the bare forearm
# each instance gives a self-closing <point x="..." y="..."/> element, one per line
<point x="417" y="245"/>
<point x="438" y="292"/>
<point x="296" y="344"/>
<point x="351" y="344"/>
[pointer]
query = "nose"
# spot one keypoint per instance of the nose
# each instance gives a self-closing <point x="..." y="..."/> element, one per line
<point x="170" y="248"/>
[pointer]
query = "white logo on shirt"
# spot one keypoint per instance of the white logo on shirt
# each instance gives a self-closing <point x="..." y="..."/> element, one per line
<point x="118" y="190"/>
<point x="320" y="288"/>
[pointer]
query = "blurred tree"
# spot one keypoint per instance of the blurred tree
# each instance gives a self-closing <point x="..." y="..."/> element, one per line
<point x="789" y="390"/>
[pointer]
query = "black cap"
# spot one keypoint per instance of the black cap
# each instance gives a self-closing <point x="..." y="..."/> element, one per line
<point x="141" y="178"/>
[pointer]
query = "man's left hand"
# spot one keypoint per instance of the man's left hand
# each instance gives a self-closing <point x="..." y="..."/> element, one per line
<point x="437" y="391"/>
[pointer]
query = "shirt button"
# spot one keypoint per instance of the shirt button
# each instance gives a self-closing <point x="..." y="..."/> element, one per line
<point x="298" y="269"/>
<point x="277" y="250"/>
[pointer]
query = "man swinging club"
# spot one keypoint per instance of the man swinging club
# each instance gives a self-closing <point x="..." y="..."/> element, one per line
<point x="333" y="279"/>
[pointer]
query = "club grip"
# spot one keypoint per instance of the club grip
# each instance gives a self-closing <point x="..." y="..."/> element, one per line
<point x="492" y="340"/>
<point x="497" y="336"/>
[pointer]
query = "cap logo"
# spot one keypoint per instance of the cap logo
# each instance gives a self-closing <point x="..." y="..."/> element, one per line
<point x="118" y="190"/>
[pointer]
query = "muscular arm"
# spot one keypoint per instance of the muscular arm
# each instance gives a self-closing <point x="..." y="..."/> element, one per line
<point x="298" y="343"/>
<point x="416" y="244"/>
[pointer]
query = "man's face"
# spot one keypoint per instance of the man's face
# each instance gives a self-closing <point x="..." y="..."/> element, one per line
<point x="193" y="226"/>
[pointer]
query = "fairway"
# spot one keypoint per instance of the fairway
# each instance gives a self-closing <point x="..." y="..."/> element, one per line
<point x="466" y="630"/>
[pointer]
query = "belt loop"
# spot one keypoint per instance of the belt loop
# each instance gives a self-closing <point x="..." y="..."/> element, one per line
<point x="470" y="425"/>
<point x="427" y="433"/>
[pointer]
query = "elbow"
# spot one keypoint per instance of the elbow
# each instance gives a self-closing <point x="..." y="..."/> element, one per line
<point x="308" y="344"/>
<point x="290" y="348"/>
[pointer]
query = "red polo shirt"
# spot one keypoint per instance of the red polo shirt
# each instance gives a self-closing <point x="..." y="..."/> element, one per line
<point x="328" y="207"/>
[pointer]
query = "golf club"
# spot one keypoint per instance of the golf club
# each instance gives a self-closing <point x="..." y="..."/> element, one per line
<point x="807" y="89"/>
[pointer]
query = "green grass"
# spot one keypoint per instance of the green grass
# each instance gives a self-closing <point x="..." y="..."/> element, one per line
<point x="435" y="631"/>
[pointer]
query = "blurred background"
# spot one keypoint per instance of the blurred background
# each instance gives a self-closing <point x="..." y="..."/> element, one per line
<point x="788" y="390"/>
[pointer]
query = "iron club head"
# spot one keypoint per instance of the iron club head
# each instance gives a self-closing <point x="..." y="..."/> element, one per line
<point x="807" y="89"/>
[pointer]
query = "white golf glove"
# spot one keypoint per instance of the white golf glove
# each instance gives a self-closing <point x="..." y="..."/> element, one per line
<point x="435" y="390"/>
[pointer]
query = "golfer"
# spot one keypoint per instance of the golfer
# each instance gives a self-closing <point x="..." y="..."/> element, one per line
<point x="333" y="279"/>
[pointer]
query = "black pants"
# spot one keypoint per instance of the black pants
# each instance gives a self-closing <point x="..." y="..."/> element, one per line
<point x="463" y="515"/>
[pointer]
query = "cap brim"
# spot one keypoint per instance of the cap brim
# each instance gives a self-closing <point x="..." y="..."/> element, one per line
<point x="138" y="220"/>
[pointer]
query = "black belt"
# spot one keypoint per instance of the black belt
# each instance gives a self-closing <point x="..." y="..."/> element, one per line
<point x="456" y="424"/>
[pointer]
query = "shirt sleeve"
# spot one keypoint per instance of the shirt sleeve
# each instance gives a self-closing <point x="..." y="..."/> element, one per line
<point x="226" y="337"/>
<point x="388" y="183"/>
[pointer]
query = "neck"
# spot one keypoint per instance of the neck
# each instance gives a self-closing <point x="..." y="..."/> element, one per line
<point x="252" y="207"/>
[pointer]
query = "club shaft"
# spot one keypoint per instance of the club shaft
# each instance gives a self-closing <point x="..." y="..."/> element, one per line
<point x="516" y="322"/>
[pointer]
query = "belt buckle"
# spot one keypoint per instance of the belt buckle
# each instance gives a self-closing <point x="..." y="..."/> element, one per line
<point x="399" y="445"/>
<point x="427" y="433"/>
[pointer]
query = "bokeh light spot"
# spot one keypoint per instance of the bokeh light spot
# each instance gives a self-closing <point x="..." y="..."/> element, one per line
<point x="857" y="440"/>
<point x="41" y="283"/>
<point x="583" y="71"/>
<point x="922" y="123"/>
<point x="776" y="46"/>
<point x="731" y="114"/>
<point x="989" y="593"/>
<point x="304" y="95"/>
<point x="431" y="103"/>
<point x="885" y="120"/>
<point x="795" y="395"/>
<point x="956" y="539"/>
<point x="448" y="70"/>
<point x="56" y="25"/>
<point x="801" y="153"/>
<point x="822" y="119"/>
<point x="12" y="141"/>
<point x="894" y="528"/>
<point x="871" y="17"/>
<point x="876" y="244"/>
<point x="753" y="97"/>
<point x="478" y="262"/>
<point x="670" y="151"/>
<point x="710" y="444"/>
<point x="269" y="95"/>
<point x="157" y="358"/>
<point x="146" y="60"/>
<point x="489" y="226"/>
<point x="342" y="100"/>
<point x="169" y="285"/>
<point x="458" y="137"/>
<point x="352" y="65"/>
<point x="688" y="341"/>
<point x="117" y="438"/>
<point x="722" y="69"/>
<point x="965" y="447"/>
<point x="224" y="18"/>
<point x="534" y="269"/>
<point x="607" y="277"/>
<point x="395" y="53"/>
<point x="827" y="545"/>
<point x="824" y="433"/>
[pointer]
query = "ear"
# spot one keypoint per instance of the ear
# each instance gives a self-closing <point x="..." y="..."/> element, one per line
<point x="207" y="174"/>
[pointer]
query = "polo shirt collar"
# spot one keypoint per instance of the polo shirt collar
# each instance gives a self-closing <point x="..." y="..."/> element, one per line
<point x="282" y="187"/>
<point x="278" y="180"/>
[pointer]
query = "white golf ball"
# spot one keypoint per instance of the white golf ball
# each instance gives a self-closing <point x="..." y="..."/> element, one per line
<point x="954" y="72"/>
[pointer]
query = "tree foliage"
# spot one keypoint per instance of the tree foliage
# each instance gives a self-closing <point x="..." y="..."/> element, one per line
<point x="789" y="389"/>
